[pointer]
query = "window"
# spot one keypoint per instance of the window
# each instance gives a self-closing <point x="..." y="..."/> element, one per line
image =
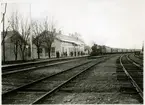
<point x="52" y="49"/>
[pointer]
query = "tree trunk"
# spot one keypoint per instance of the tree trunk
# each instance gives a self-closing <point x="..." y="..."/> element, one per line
<point x="38" y="52"/>
<point x="23" y="56"/>
<point x="15" y="57"/>
<point x="38" y="55"/>
<point x="16" y="52"/>
<point x="49" y="53"/>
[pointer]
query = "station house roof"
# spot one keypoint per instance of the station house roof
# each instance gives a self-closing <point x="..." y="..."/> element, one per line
<point x="70" y="39"/>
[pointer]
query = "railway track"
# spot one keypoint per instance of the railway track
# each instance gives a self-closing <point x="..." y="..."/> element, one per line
<point x="9" y="69"/>
<point x="133" y="73"/>
<point x="135" y="62"/>
<point x="139" y="57"/>
<point x="15" y="80"/>
<point x="17" y="70"/>
<point x="36" y="91"/>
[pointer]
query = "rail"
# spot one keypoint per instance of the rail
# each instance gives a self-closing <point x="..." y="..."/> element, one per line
<point x="133" y="62"/>
<point x="132" y="80"/>
<point x="37" y="62"/>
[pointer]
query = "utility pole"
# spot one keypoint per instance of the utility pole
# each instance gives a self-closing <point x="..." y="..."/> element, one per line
<point x="31" y="45"/>
<point x="3" y="37"/>
<point x="143" y="47"/>
<point x="3" y="42"/>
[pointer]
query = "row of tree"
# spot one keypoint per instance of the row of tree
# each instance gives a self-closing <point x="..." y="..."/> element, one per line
<point x="41" y="33"/>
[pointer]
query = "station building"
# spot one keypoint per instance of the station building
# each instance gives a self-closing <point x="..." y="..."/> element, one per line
<point x="63" y="44"/>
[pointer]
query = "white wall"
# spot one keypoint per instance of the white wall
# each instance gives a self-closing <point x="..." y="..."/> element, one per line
<point x="57" y="44"/>
<point x="61" y="47"/>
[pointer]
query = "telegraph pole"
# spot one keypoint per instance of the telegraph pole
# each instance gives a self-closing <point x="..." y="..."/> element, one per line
<point x="3" y="41"/>
<point x="31" y="45"/>
<point x="3" y="37"/>
<point x="143" y="47"/>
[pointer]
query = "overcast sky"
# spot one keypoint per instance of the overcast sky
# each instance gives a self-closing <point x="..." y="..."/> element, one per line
<point x="115" y="23"/>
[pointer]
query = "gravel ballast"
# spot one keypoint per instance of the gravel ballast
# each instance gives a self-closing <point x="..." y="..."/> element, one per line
<point x="12" y="81"/>
<point x="97" y="86"/>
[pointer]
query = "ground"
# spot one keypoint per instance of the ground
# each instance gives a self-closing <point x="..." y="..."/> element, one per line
<point x="97" y="86"/>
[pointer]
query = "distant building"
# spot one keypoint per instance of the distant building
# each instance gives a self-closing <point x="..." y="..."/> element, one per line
<point x="11" y="41"/>
<point x="87" y="50"/>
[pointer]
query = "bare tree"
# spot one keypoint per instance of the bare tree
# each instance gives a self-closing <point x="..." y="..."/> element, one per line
<point x="21" y="31"/>
<point x="25" y="33"/>
<point x="38" y="37"/>
<point x="15" y="39"/>
<point x="49" y="35"/>
<point x="4" y="32"/>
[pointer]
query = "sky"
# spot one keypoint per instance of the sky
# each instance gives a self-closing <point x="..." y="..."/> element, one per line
<point x="114" y="23"/>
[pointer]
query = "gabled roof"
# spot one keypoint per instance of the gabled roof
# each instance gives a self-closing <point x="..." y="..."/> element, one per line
<point x="65" y="38"/>
<point x="11" y="34"/>
<point x="69" y="39"/>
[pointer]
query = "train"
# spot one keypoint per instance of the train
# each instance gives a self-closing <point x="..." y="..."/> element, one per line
<point x="101" y="50"/>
